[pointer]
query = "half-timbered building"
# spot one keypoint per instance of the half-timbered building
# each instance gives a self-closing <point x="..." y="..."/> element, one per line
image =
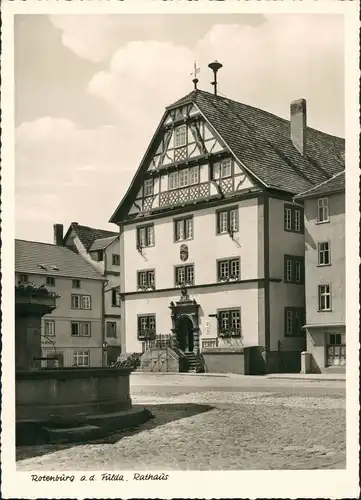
<point x="211" y="238"/>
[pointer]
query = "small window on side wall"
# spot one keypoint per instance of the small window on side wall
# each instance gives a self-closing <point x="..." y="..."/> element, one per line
<point x="115" y="297"/>
<point x="75" y="283"/>
<point x="116" y="259"/>
<point x="50" y="281"/>
<point x="293" y="219"/>
<point x="322" y="210"/>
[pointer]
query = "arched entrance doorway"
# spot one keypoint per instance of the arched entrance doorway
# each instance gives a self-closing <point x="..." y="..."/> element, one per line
<point x="185" y="334"/>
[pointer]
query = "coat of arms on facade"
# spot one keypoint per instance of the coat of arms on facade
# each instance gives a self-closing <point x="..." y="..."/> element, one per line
<point x="183" y="253"/>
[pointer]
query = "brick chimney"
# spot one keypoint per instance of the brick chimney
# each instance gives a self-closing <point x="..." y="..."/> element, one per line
<point x="58" y="234"/>
<point x="299" y="125"/>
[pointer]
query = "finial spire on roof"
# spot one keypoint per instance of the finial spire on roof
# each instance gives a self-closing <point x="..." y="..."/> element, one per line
<point x="195" y="73"/>
<point x="215" y="66"/>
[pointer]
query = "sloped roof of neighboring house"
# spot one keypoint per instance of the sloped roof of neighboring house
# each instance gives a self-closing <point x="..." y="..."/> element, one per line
<point x="102" y="243"/>
<point x="88" y="235"/>
<point x="262" y="143"/>
<point x="34" y="257"/>
<point x="334" y="185"/>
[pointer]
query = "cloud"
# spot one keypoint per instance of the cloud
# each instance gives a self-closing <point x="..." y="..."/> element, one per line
<point x="88" y="36"/>
<point x="143" y="78"/>
<point x="267" y="66"/>
<point x="97" y="37"/>
<point x="67" y="173"/>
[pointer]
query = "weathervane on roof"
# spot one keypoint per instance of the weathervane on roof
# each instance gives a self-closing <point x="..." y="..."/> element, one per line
<point x="195" y="73"/>
<point x="215" y="66"/>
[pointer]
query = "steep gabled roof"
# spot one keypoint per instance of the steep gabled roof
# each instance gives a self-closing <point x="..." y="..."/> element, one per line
<point x="102" y="243"/>
<point x="34" y="257"/>
<point x="262" y="143"/>
<point x="334" y="185"/>
<point x="88" y="235"/>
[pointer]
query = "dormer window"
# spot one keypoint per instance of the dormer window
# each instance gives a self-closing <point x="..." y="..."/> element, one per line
<point x="148" y="187"/>
<point x="180" y="136"/>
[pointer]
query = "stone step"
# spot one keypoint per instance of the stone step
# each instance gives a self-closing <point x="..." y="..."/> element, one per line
<point x="65" y="435"/>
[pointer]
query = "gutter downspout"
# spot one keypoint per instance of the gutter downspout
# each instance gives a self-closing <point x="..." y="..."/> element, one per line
<point x="104" y="349"/>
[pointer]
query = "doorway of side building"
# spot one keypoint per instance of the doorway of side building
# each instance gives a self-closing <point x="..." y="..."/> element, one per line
<point x="185" y="334"/>
<point x="336" y="349"/>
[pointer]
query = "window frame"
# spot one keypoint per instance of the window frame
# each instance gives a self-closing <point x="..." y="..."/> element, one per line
<point x="85" y="354"/>
<point x="294" y="260"/>
<point x="325" y="294"/>
<point x="75" y="282"/>
<point x="183" y="178"/>
<point x="149" y="285"/>
<point x="186" y="268"/>
<point x="86" y="297"/>
<point x="183" y="221"/>
<point x="115" y="293"/>
<point x="227" y="211"/>
<point x="115" y="257"/>
<point x="228" y="333"/>
<point x="182" y="127"/>
<point x="114" y="323"/>
<point x="290" y="222"/>
<point x="47" y="322"/>
<point x="229" y="261"/>
<point x="81" y="297"/>
<point x="24" y="281"/>
<point x="331" y="347"/>
<point x="150" y="183"/>
<point x="221" y="166"/>
<point x="145" y="228"/>
<point x="148" y="329"/>
<point x="80" y="325"/>
<point x="50" y="281"/>
<point x="292" y="313"/>
<point x="319" y="252"/>
<point x="192" y="170"/>
<point x="173" y="180"/>
<point x="322" y="208"/>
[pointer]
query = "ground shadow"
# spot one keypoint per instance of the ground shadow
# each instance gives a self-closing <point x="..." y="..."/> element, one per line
<point x="162" y="414"/>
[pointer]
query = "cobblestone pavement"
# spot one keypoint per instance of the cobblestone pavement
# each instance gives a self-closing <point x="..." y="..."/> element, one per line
<point x="209" y="425"/>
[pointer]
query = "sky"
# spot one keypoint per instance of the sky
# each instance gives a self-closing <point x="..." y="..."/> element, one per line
<point x="90" y="91"/>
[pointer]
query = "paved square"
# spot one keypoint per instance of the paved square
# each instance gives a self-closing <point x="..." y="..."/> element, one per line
<point x="203" y="422"/>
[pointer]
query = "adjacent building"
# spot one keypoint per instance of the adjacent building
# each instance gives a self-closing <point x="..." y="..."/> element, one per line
<point x="100" y="248"/>
<point x="324" y="209"/>
<point x="73" y="332"/>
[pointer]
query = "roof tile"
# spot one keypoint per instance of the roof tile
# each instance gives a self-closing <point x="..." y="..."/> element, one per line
<point x="33" y="257"/>
<point x="88" y="235"/>
<point x="333" y="185"/>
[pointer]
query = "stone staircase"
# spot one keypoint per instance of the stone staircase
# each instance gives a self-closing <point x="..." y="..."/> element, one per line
<point x="194" y="362"/>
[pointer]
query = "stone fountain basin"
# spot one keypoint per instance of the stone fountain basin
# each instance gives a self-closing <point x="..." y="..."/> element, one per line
<point x="71" y="398"/>
<point x="71" y="393"/>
